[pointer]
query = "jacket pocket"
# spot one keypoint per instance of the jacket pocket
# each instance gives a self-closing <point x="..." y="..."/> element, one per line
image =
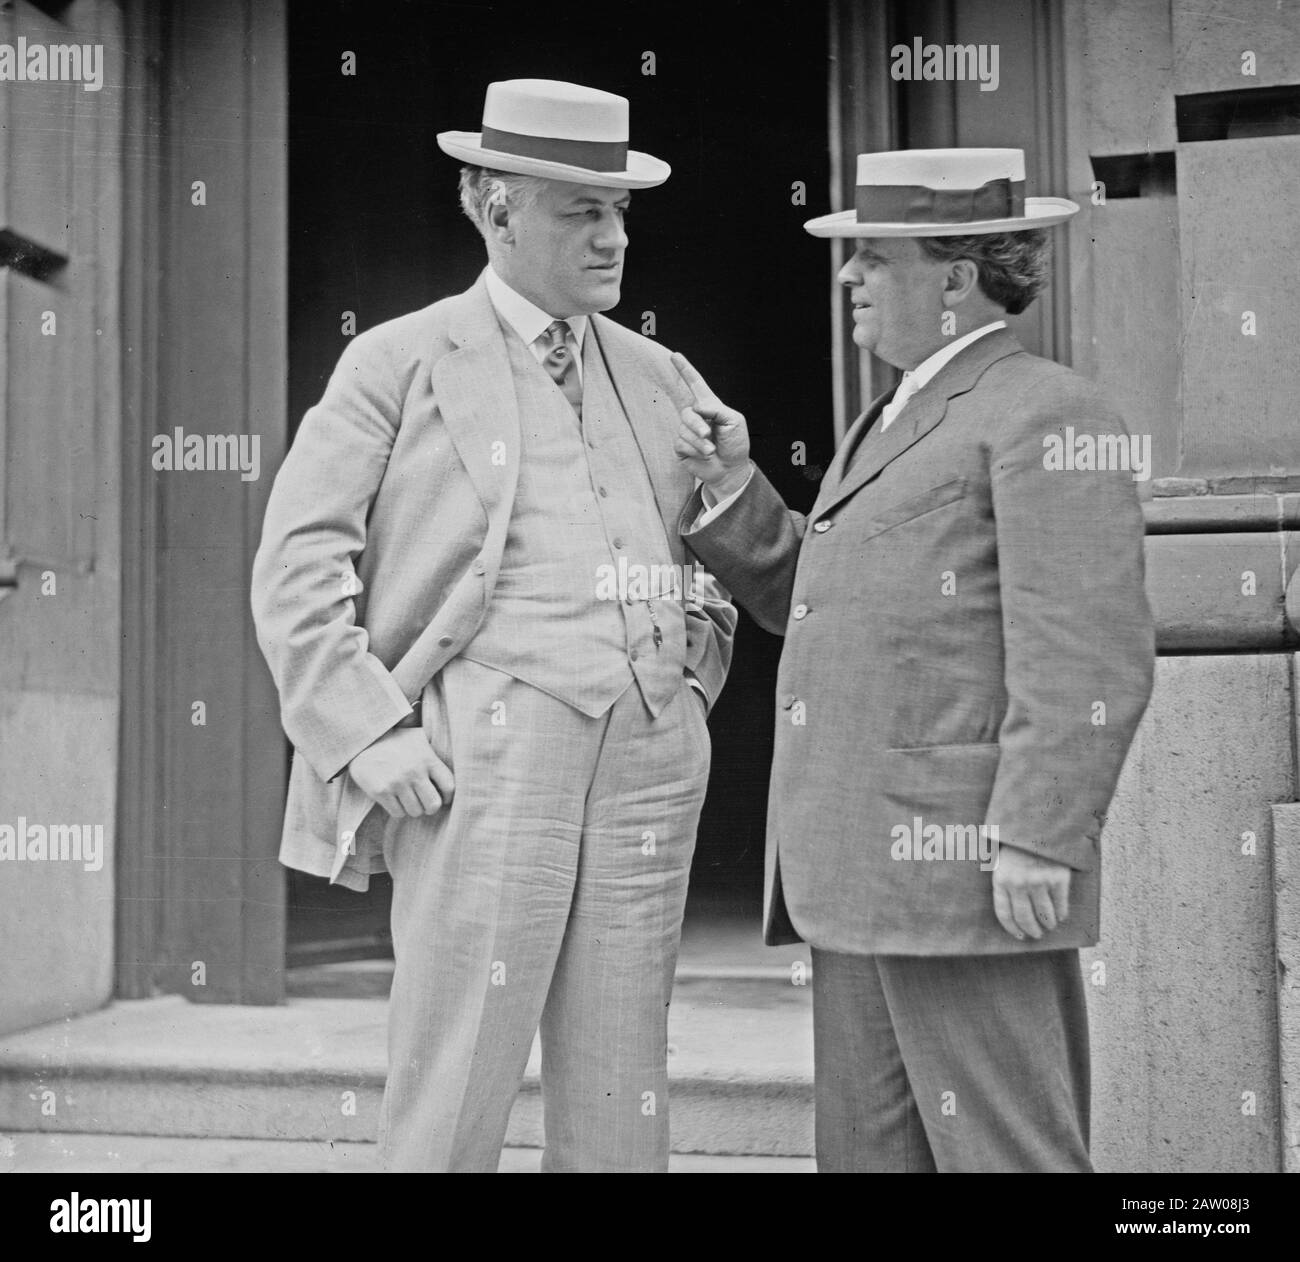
<point x="915" y="506"/>
<point x="949" y="785"/>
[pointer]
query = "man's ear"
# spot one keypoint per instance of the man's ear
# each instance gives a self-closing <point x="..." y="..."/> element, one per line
<point x="963" y="277"/>
<point x="498" y="225"/>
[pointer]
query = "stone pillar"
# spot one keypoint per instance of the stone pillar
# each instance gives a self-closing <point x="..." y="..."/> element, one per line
<point x="1184" y="303"/>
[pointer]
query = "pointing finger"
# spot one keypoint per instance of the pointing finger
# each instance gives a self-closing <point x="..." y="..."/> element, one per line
<point x="700" y="392"/>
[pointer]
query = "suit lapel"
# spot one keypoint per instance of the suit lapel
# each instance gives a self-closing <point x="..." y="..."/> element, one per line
<point x="925" y="410"/>
<point x="923" y="413"/>
<point x="475" y="393"/>
<point x="642" y="395"/>
<point x="852" y="438"/>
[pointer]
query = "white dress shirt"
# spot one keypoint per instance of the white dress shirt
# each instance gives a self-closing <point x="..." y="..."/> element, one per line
<point x="924" y="371"/>
<point x="912" y="381"/>
<point x="530" y="321"/>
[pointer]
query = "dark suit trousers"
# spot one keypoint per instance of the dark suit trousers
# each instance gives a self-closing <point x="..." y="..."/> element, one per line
<point x="951" y="1063"/>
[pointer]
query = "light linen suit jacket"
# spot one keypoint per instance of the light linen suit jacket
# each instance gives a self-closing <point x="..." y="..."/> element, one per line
<point x="384" y="533"/>
<point x="967" y="642"/>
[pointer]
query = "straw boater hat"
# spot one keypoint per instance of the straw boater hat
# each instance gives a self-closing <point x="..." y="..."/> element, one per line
<point x="559" y="131"/>
<point x="942" y="193"/>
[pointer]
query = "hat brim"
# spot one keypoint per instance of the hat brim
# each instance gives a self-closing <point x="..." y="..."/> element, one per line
<point x="1040" y="212"/>
<point x="642" y="171"/>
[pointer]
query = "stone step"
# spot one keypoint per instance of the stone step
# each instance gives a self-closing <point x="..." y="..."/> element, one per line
<point x="365" y="979"/>
<point x="740" y="1066"/>
<point x="65" y="1153"/>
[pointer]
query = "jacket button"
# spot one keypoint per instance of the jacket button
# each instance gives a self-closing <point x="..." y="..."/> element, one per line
<point x="446" y="641"/>
<point x="799" y="612"/>
<point x="633" y="655"/>
<point x="479" y="567"/>
<point x="787" y="702"/>
<point x="821" y="527"/>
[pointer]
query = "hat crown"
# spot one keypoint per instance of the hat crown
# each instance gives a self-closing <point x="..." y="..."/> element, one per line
<point x="552" y="108"/>
<point x="556" y="131"/>
<point x="940" y="168"/>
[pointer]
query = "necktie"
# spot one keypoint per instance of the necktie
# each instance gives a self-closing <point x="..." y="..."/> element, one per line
<point x="902" y="396"/>
<point x="906" y="389"/>
<point x="559" y="362"/>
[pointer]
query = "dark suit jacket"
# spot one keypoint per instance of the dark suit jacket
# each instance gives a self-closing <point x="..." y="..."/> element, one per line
<point x="967" y="642"/>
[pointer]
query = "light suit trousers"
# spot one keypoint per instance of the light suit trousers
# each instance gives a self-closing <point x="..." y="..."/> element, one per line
<point x="549" y="893"/>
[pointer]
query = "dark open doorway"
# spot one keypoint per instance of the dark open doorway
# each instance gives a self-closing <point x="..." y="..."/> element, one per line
<point x="737" y="104"/>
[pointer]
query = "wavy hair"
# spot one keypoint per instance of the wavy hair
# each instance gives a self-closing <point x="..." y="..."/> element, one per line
<point x="1013" y="266"/>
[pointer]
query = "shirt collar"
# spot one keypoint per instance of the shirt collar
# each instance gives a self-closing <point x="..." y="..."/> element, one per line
<point x="927" y="368"/>
<point x="528" y="320"/>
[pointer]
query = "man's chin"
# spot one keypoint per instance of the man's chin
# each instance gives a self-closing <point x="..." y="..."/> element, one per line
<point x="604" y="296"/>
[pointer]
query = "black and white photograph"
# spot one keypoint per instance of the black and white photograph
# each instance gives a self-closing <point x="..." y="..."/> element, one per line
<point x="650" y="588"/>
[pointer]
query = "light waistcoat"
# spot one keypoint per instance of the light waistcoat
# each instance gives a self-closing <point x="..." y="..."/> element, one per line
<point x="570" y="613"/>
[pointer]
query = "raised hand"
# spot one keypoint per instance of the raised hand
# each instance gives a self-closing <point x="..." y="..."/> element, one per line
<point x="713" y="440"/>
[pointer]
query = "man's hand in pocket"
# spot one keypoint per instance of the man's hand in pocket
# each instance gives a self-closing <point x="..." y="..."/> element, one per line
<point x="402" y="774"/>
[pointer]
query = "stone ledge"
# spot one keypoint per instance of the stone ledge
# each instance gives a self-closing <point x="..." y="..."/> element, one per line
<point x="1204" y="601"/>
<point x="1198" y="512"/>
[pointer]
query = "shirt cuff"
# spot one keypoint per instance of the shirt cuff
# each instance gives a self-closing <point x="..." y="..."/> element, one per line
<point x="714" y="507"/>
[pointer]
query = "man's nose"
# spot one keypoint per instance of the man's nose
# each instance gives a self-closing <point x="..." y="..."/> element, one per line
<point x="611" y="235"/>
<point x="850" y="274"/>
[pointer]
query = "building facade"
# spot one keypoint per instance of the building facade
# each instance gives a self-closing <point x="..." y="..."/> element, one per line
<point x="187" y="246"/>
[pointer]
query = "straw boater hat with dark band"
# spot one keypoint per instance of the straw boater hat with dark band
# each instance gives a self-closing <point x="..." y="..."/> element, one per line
<point x="942" y="193"/>
<point x="558" y="131"/>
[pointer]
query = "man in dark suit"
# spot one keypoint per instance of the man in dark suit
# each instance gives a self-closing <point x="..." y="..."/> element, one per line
<point x="968" y="652"/>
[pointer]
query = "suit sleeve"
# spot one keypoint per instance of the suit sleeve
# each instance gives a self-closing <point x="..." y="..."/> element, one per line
<point x="336" y="697"/>
<point x="710" y="616"/>
<point x="1077" y="629"/>
<point x="710" y="634"/>
<point x="753" y="547"/>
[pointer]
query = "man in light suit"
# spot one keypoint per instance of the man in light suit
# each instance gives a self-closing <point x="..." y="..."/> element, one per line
<point x="480" y="617"/>
<point x="968" y="651"/>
